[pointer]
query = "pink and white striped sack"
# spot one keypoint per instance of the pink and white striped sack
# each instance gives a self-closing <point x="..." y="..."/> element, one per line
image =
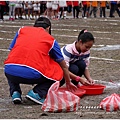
<point x="111" y="103"/>
<point x="60" y="101"/>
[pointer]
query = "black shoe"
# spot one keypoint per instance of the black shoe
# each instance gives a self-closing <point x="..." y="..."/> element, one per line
<point x="111" y="16"/>
<point x="21" y="18"/>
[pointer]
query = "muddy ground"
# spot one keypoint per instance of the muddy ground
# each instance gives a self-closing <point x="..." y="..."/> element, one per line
<point x="104" y="66"/>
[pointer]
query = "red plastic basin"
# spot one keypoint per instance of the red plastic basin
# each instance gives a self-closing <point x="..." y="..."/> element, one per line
<point x="79" y="92"/>
<point x="95" y="89"/>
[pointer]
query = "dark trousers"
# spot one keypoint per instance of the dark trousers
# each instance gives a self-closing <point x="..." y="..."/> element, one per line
<point x="1" y="11"/>
<point x="102" y="11"/>
<point x="43" y="84"/>
<point x="77" y="68"/>
<point x="42" y="8"/>
<point x="88" y="11"/>
<point x="84" y="11"/>
<point x="94" y="11"/>
<point x="62" y="9"/>
<point x="76" y="11"/>
<point x="113" y="8"/>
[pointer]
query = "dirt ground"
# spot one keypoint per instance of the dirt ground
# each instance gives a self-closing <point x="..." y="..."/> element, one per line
<point x="104" y="66"/>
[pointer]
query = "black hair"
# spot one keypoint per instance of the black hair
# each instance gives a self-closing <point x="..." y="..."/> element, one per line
<point x="85" y="36"/>
<point x="43" y="22"/>
<point x="82" y="31"/>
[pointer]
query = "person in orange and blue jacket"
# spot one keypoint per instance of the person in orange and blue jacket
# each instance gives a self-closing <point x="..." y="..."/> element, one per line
<point x="35" y="58"/>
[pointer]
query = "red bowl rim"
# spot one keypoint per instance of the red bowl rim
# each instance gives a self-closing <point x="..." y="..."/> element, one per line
<point x="82" y="91"/>
<point x="88" y="87"/>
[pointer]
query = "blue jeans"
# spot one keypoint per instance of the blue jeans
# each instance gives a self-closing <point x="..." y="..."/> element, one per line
<point x="43" y="84"/>
<point x="77" y="68"/>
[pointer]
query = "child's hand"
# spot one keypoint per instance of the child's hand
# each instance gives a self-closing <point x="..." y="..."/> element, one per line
<point x="71" y="87"/>
<point x="84" y="81"/>
<point x="91" y="81"/>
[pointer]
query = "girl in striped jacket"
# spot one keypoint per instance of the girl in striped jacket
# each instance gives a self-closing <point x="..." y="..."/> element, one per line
<point x="76" y="56"/>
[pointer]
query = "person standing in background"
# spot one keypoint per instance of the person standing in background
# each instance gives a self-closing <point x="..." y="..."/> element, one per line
<point x="55" y="9"/>
<point x="43" y="7"/>
<point x="12" y="5"/>
<point x="88" y="9"/>
<point x="2" y="5"/>
<point x="118" y="4"/>
<point x="62" y="9"/>
<point x="19" y="9"/>
<point x="84" y="8"/>
<point x="102" y="8"/>
<point x="69" y="6"/>
<point x="30" y="9"/>
<point x="94" y="8"/>
<point x="36" y="9"/>
<point x="48" y="11"/>
<point x="113" y="8"/>
<point x="76" y="9"/>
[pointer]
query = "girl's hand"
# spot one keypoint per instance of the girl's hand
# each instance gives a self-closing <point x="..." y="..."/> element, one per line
<point x="71" y="87"/>
<point x="84" y="81"/>
<point x="92" y="82"/>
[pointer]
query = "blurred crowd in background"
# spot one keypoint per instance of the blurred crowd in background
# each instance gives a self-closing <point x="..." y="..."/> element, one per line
<point x="57" y="9"/>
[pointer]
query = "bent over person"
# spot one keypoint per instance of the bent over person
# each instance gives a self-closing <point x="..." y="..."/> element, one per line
<point x="35" y="58"/>
<point x="76" y="56"/>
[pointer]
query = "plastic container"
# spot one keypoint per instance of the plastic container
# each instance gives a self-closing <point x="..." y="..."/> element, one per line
<point x="79" y="92"/>
<point x="95" y="89"/>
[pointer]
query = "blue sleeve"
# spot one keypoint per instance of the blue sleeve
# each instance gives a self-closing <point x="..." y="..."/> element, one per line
<point x="55" y="52"/>
<point x="13" y="41"/>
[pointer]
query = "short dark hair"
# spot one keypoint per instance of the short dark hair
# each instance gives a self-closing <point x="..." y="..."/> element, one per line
<point x="43" y="22"/>
<point x="85" y="37"/>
